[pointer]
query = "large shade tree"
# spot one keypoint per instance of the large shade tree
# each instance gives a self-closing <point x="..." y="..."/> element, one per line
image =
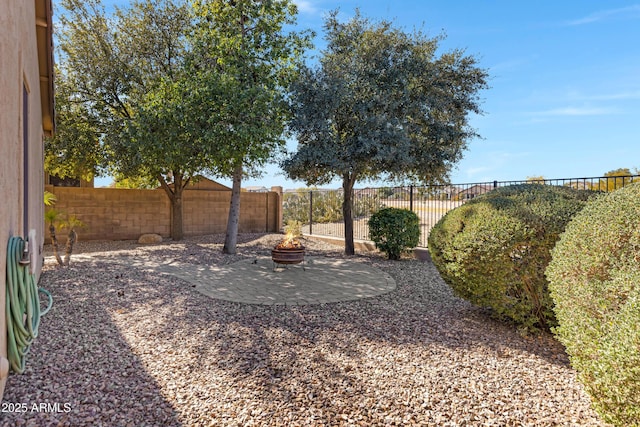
<point x="127" y="70"/>
<point x="381" y="103"/>
<point x="241" y="65"/>
<point x="75" y="150"/>
<point x="185" y="88"/>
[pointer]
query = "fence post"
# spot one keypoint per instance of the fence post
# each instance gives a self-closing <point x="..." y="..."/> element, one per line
<point x="311" y="212"/>
<point x="278" y="211"/>
<point x="411" y="198"/>
<point x="266" y="212"/>
<point x="495" y="184"/>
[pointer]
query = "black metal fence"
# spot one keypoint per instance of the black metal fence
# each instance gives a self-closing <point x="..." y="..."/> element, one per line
<point x="320" y="211"/>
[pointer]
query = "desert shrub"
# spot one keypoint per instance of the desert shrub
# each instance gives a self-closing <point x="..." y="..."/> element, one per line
<point x="366" y="206"/>
<point x="594" y="280"/>
<point x="327" y="206"/>
<point x="295" y="206"/>
<point x="494" y="249"/>
<point x="394" y="231"/>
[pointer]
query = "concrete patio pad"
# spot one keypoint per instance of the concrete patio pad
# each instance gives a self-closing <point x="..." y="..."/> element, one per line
<point x="255" y="281"/>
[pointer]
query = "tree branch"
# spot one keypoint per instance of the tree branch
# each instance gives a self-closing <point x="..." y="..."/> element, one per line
<point x="165" y="186"/>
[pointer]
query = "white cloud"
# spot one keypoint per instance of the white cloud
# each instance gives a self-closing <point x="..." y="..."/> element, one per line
<point x="632" y="11"/>
<point x="613" y="96"/>
<point x="574" y="111"/>
<point x="306" y="6"/>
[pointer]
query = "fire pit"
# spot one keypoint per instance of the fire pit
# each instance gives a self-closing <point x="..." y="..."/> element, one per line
<point x="289" y="251"/>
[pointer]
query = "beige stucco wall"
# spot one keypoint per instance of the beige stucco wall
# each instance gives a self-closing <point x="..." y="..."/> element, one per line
<point x="19" y="65"/>
<point x="121" y="214"/>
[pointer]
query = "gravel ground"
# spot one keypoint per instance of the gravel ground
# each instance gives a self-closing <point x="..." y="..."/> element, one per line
<point x="125" y="347"/>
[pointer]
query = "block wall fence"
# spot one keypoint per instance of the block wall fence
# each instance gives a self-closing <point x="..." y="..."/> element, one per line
<point x="124" y="214"/>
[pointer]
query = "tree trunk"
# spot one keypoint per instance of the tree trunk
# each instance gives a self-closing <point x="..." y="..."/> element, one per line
<point x="54" y="243"/>
<point x="176" y="216"/>
<point x="347" y="212"/>
<point x="231" y="238"/>
<point x="175" y="197"/>
<point x="71" y="240"/>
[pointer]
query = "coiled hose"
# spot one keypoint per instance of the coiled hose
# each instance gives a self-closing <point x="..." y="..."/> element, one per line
<point x="22" y="306"/>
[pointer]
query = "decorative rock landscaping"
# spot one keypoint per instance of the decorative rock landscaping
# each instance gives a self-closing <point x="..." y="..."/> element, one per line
<point x="127" y="346"/>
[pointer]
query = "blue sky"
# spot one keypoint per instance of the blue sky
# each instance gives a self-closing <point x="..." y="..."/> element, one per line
<point x="565" y="81"/>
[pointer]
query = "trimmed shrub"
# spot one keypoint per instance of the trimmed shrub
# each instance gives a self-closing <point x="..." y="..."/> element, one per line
<point x="494" y="249"/>
<point x="394" y="231"/>
<point x="594" y="280"/>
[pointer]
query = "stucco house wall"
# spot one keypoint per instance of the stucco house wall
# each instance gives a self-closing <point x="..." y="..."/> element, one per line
<point x="26" y="115"/>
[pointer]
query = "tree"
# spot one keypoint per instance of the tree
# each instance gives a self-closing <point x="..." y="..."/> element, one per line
<point x="540" y="179"/>
<point x="75" y="150"/>
<point x="127" y="71"/>
<point x="242" y="64"/>
<point x="381" y="102"/>
<point x="615" y="179"/>
<point x="137" y="182"/>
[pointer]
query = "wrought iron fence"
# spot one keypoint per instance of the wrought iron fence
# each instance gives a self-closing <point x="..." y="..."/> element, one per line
<point x="320" y="210"/>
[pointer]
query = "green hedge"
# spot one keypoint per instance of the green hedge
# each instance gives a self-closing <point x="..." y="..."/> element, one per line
<point x="594" y="278"/>
<point x="494" y="249"/>
<point x="394" y="231"/>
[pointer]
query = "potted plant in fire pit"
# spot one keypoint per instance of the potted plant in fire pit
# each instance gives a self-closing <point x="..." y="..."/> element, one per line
<point x="289" y="250"/>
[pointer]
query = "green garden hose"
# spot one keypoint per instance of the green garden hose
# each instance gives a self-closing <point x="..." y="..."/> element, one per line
<point x="22" y="306"/>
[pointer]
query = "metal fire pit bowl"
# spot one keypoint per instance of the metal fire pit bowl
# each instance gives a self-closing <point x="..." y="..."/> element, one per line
<point x="287" y="257"/>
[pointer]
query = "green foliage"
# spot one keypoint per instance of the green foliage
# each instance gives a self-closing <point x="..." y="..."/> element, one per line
<point x="176" y="88"/>
<point x="49" y="198"/>
<point x="135" y="182"/>
<point x="241" y="65"/>
<point x="60" y="219"/>
<point x="536" y="179"/>
<point x="594" y="279"/>
<point x="366" y="205"/>
<point x="126" y="72"/>
<point x="75" y="150"/>
<point x="381" y="102"/>
<point x="394" y="231"/>
<point x="327" y="206"/>
<point x="295" y="206"/>
<point x="615" y="179"/>
<point x="494" y="249"/>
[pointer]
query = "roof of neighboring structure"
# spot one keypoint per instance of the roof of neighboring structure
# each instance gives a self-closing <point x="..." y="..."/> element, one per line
<point x="477" y="188"/>
<point x="203" y="183"/>
<point x="256" y="189"/>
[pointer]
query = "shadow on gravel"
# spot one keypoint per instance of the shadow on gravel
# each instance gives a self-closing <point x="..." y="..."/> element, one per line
<point x="316" y="361"/>
<point x="224" y="363"/>
<point x="80" y="370"/>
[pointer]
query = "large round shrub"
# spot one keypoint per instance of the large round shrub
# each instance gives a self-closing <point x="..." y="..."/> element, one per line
<point x="594" y="279"/>
<point x="394" y="231"/>
<point x="494" y="249"/>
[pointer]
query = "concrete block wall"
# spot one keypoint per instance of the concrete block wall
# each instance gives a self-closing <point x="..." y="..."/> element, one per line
<point x="122" y="214"/>
<point x="206" y="212"/>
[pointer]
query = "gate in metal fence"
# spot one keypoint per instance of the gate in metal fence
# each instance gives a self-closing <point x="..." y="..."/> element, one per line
<point x="320" y="210"/>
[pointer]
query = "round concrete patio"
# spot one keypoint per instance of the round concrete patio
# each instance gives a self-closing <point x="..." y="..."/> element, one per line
<point x="256" y="281"/>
